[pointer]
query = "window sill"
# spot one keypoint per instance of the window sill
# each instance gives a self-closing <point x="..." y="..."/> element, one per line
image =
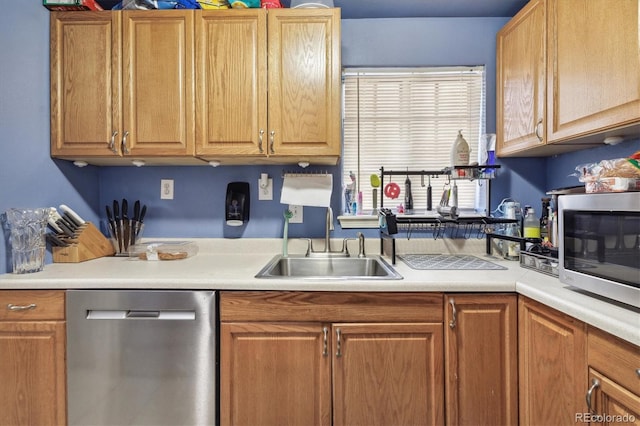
<point x="358" y="221"/>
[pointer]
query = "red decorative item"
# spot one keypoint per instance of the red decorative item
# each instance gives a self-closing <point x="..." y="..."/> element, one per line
<point x="392" y="190"/>
<point x="270" y="4"/>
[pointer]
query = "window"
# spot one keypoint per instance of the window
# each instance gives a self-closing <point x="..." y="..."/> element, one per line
<point x="408" y="119"/>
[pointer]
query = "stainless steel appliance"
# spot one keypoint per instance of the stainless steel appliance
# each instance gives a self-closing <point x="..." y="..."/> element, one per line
<point x="141" y="357"/>
<point x="599" y="247"/>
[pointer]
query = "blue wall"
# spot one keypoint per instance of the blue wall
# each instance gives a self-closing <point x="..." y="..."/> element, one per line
<point x="30" y="178"/>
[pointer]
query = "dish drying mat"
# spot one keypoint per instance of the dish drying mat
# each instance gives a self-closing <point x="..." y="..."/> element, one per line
<point x="448" y="262"/>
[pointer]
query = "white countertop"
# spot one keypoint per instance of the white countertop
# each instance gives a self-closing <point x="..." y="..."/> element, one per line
<point x="228" y="264"/>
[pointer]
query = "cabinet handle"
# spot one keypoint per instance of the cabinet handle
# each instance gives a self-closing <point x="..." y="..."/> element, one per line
<point x="125" y="150"/>
<point x="325" y="341"/>
<point x="454" y="314"/>
<point x="112" y="142"/>
<point x="260" y="141"/>
<point x="272" y="141"/>
<point x="537" y="128"/>
<point x="13" y="307"/>
<point x="339" y="343"/>
<point x="638" y="372"/>
<point x="594" y="384"/>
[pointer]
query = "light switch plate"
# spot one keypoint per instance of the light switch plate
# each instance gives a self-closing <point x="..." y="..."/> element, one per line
<point x="297" y="213"/>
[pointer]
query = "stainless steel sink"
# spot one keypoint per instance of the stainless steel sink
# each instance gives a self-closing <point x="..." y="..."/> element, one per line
<point x="331" y="268"/>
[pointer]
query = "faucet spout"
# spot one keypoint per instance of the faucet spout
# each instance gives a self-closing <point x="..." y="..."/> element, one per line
<point x="361" y="252"/>
<point x="328" y="229"/>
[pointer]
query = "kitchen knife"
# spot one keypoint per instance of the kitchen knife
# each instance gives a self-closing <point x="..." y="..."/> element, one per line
<point x="65" y="228"/>
<point x="55" y="241"/>
<point x="75" y="217"/>
<point x="53" y="216"/>
<point x="126" y="225"/>
<point x="134" y="223"/>
<point x="112" y="223"/>
<point x="143" y="212"/>
<point x="70" y="222"/>
<point x="116" y="217"/>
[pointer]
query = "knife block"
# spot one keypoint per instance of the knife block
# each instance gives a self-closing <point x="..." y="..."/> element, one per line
<point x="87" y="243"/>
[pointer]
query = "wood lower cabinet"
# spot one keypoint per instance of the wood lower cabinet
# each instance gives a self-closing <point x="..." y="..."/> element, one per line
<point x="481" y="359"/>
<point x="552" y="365"/>
<point x="387" y="374"/>
<point x="32" y="358"/>
<point x="613" y="394"/>
<point x="296" y="358"/>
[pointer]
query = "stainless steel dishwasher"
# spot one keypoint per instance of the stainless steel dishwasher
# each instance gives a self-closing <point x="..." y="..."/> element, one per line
<point x="141" y="357"/>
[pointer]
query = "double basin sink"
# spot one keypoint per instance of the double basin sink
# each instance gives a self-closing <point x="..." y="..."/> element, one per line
<point x="329" y="268"/>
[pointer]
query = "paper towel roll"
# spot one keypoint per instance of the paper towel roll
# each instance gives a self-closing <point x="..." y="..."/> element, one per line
<point x="307" y="190"/>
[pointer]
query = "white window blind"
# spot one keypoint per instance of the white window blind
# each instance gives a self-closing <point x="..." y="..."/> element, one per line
<point x="408" y="119"/>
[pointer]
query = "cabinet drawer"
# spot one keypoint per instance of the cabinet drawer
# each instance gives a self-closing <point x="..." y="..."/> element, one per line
<point x="615" y="358"/>
<point x="333" y="307"/>
<point x="28" y="305"/>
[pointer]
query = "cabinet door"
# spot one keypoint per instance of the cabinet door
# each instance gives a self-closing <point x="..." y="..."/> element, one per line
<point x="158" y="83"/>
<point x="521" y="82"/>
<point x="612" y="400"/>
<point x="593" y="67"/>
<point x="481" y="365"/>
<point x="32" y="373"/>
<point x="552" y="365"/>
<point x="304" y="82"/>
<point x="274" y="374"/>
<point x="85" y="83"/>
<point x="231" y="98"/>
<point x="387" y="374"/>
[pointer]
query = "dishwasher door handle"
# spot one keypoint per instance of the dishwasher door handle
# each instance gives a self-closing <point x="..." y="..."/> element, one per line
<point x="174" y="315"/>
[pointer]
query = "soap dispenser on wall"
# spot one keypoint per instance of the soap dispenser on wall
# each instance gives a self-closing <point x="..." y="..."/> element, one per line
<point x="237" y="203"/>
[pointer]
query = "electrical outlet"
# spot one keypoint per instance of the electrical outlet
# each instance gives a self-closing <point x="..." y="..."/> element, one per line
<point x="297" y="213"/>
<point x="166" y="189"/>
<point x="265" y="192"/>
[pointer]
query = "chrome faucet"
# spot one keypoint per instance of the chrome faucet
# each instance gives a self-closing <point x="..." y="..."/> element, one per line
<point x="327" y="252"/>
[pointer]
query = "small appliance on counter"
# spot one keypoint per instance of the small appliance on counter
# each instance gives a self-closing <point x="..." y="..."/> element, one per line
<point x="599" y="244"/>
<point x="237" y="204"/>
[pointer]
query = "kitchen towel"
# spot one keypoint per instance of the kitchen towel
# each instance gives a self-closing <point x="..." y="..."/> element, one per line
<point x="307" y="190"/>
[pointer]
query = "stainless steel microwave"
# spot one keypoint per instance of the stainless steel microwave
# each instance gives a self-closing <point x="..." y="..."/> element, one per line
<point x="599" y="244"/>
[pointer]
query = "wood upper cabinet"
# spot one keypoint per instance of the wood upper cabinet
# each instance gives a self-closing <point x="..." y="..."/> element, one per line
<point x="521" y="82"/>
<point x="296" y="358"/>
<point x="568" y="75"/>
<point x="268" y="85"/>
<point x="614" y="379"/>
<point x="593" y="70"/>
<point x="552" y="365"/>
<point x="32" y="354"/>
<point x="481" y="359"/>
<point x="122" y="86"/>
<point x="231" y="97"/>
